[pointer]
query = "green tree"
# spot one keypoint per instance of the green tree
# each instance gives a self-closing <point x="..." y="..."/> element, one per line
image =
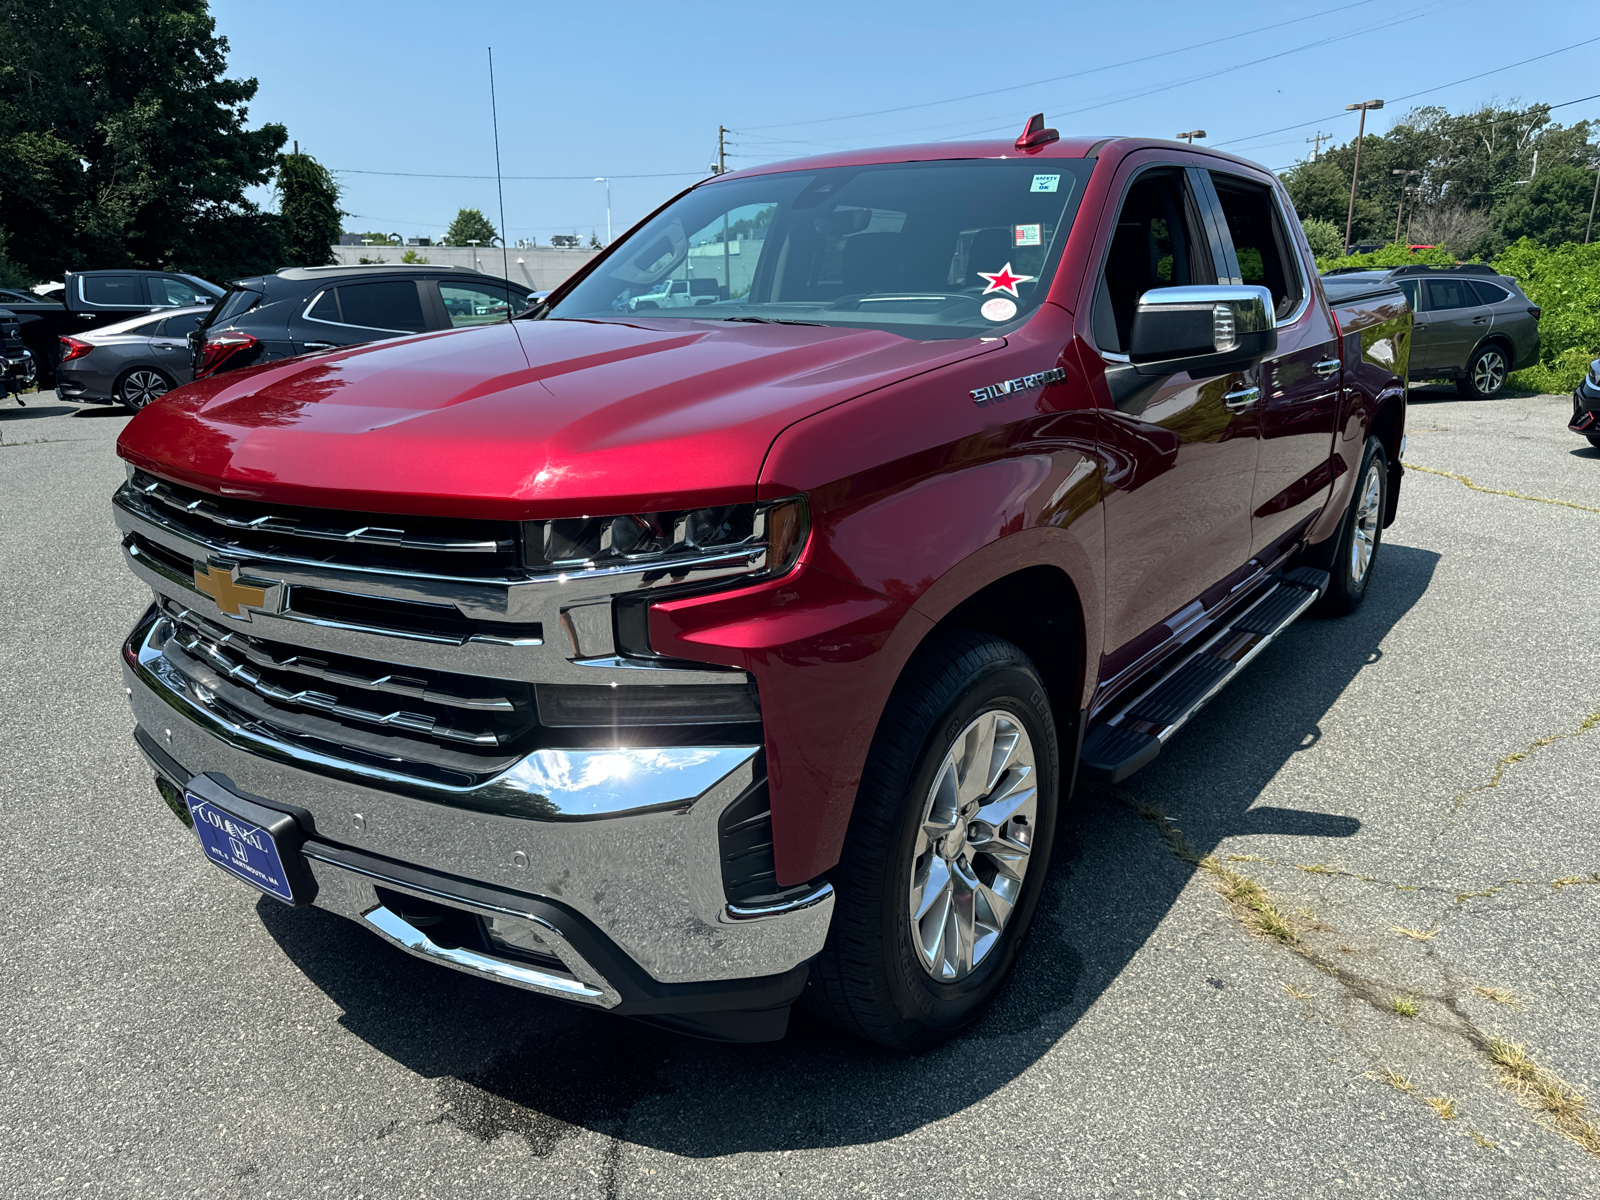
<point x="1326" y="238"/>
<point x="378" y="239"/>
<point x="308" y="202"/>
<point x="470" y="225"/>
<point x="1553" y="208"/>
<point x="122" y="143"/>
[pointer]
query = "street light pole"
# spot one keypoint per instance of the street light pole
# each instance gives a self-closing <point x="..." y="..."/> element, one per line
<point x="606" y="179"/>
<point x="1192" y="134"/>
<point x="1355" y="171"/>
<point x="1592" y="198"/>
<point x="1404" y="175"/>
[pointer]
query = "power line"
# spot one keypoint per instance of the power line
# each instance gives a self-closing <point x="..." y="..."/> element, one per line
<point x="538" y="178"/>
<point x="1142" y="59"/>
<point x="1426" y="91"/>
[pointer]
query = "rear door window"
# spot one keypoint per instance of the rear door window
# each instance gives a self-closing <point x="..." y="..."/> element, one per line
<point x="1266" y="257"/>
<point x="392" y="304"/>
<point x="1450" y="293"/>
<point x="180" y="326"/>
<point x="125" y="291"/>
<point x="1487" y="293"/>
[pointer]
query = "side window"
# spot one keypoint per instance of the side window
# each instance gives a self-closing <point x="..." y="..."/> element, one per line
<point x="180" y="326"/>
<point x="1156" y="244"/>
<point x="325" y="307"/>
<point x="1409" y="287"/>
<point x="146" y="329"/>
<point x="167" y="292"/>
<point x="1265" y="253"/>
<point x="389" y="304"/>
<point x="474" y="303"/>
<point x="125" y="290"/>
<point x="1450" y="293"/>
<point x="1487" y="293"/>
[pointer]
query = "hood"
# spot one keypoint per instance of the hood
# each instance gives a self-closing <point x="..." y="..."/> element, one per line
<point x="521" y="421"/>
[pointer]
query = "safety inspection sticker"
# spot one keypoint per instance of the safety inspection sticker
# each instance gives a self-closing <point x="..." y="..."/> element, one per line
<point x="1027" y="235"/>
<point x="999" y="309"/>
<point x="1045" y="183"/>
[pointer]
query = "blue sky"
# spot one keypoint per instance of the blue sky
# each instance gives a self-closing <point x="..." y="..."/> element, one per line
<point x="636" y="91"/>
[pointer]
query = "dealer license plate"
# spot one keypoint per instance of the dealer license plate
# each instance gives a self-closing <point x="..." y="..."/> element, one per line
<point x="239" y="847"/>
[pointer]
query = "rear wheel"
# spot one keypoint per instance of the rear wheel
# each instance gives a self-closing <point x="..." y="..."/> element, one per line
<point x="1486" y="373"/>
<point x="142" y="385"/>
<point x="1356" y="550"/>
<point x="947" y="850"/>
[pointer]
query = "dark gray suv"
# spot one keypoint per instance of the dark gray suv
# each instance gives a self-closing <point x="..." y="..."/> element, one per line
<point x="1472" y="325"/>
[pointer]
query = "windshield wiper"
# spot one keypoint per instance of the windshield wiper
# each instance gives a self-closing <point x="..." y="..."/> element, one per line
<point x="771" y="321"/>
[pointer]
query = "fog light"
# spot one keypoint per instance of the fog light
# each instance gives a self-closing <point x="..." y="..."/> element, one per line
<point x="569" y="705"/>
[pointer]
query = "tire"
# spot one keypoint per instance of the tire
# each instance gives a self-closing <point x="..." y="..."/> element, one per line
<point x="141" y="386"/>
<point x="1355" y="553"/>
<point x="1594" y="440"/>
<point x="1486" y="373"/>
<point x="883" y="974"/>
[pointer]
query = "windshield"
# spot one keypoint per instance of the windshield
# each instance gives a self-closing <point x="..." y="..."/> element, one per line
<point x="946" y="249"/>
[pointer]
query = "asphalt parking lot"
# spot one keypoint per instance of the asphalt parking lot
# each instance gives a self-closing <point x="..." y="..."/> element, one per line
<point x="1411" y="789"/>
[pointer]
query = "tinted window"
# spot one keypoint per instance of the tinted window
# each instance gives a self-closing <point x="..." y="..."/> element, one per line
<point x="180" y="326"/>
<point x="144" y="329"/>
<point x="1155" y="245"/>
<point x="232" y="304"/>
<point x="1409" y="287"/>
<point x="326" y="307"/>
<point x="113" y="289"/>
<point x="477" y="303"/>
<point x="1487" y="293"/>
<point x="167" y="292"/>
<point x="1450" y="293"/>
<point x="391" y="304"/>
<point x="1258" y="239"/>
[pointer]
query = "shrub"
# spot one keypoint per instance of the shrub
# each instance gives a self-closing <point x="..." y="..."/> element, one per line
<point x="1564" y="281"/>
<point x="1325" y="238"/>
<point x="1395" y="254"/>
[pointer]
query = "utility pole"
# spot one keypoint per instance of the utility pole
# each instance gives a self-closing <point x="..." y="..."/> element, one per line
<point x="1592" y="199"/>
<point x="1316" y="142"/>
<point x="721" y="165"/>
<point x="1404" y="175"/>
<point x="1192" y="134"/>
<point x="1355" y="171"/>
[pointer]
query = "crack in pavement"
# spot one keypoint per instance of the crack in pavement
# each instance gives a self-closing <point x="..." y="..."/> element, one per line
<point x="1510" y="760"/>
<point x="1429" y="888"/>
<point x="1557" y="1106"/>
<point x="1478" y="487"/>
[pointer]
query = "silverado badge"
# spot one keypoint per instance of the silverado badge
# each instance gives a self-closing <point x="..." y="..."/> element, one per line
<point x="999" y="391"/>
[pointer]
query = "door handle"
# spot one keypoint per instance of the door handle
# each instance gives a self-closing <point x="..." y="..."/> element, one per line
<point x="1243" y="398"/>
<point x="310" y="346"/>
<point x="1327" y="367"/>
<point x="1480" y="320"/>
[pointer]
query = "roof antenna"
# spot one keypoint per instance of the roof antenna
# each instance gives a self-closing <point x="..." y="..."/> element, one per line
<point x="1036" y="135"/>
<point x="505" y="253"/>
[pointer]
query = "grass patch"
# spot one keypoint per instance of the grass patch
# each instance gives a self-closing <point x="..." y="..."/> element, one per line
<point x="1483" y="1142"/>
<point x="1416" y="935"/>
<point x="1560" y="1105"/>
<point x="1445" y="1106"/>
<point x="1397" y="1080"/>
<point x="1463" y="897"/>
<point x="1296" y="992"/>
<point x="1499" y="996"/>
<point x="1406" y="1006"/>
<point x="1317" y="869"/>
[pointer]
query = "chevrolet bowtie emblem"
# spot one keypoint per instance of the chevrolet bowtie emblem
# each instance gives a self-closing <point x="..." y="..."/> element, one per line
<point x="234" y="596"/>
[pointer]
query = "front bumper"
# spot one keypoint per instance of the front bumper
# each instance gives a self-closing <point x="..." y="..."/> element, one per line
<point x="1585" y="410"/>
<point x="611" y="855"/>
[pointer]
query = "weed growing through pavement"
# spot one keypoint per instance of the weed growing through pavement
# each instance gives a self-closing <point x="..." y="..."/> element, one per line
<point x="1482" y="1141"/>
<point x="1498" y="995"/>
<point x="1445" y="1106"/>
<point x="1406" y="1006"/>
<point x="1510" y="760"/>
<point x="1542" y="1090"/>
<point x="1416" y="935"/>
<point x="1395" y="1079"/>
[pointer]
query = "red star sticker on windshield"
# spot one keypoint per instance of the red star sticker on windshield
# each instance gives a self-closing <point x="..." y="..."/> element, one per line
<point x="1004" y="280"/>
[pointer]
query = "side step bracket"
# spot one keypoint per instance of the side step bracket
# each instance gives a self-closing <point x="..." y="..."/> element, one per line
<point x="1116" y="748"/>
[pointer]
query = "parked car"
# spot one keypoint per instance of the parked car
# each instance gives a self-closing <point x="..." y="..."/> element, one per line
<point x="1586" y="406"/>
<point x="1472" y="325"/>
<point x="129" y="363"/>
<point x="677" y="293"/>
<point x="685" y="664"/>
<point x="17" y="369"/>
<point x="303" y="310"/>
<point x="94" y="299"/>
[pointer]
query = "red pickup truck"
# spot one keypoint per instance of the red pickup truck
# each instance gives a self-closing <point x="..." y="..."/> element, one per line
<point x="691" y="662"/>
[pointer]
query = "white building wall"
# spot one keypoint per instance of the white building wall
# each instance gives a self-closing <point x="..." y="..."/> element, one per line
<point x="538" y="269"/>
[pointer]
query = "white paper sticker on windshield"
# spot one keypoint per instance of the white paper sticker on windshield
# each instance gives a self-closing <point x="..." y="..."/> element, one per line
<point x="1045" y="183"/>
<point x="1027" y="235"/>
<point x="999" y="309"/>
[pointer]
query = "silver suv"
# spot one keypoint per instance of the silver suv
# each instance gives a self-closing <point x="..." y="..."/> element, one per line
<point x="1472" y="325"/>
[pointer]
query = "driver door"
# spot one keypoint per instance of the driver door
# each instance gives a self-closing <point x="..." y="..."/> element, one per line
<point x="1180" y="463"/>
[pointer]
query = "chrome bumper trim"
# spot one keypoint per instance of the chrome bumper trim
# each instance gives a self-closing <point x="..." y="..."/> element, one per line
<point x="754" y="912"/>
<point x="627" y="837"/>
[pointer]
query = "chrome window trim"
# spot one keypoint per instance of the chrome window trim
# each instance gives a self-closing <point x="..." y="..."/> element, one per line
<point x="1285" y="228"/>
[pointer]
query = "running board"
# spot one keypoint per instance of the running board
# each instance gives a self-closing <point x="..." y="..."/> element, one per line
<point x="1116" y="748"/>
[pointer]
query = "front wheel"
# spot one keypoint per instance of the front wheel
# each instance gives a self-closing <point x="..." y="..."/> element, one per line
<point x="141" y="386"/>
<point x="1486" y="374"/>
<point x="1594" y="440"/>
<point x="947" y="849"/>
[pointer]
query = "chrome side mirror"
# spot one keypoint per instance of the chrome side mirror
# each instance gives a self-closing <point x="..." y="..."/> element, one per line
<point x="1206" y="330"/>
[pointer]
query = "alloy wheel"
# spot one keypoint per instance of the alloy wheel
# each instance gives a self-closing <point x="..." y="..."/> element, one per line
<point x="1369" y="515"/>
<point x="1489" y="372"/>
<point x="141" y="387"/>
<point x="973" y="845"/>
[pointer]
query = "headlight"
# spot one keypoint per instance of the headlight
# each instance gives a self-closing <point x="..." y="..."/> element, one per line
<point x="761" y="539"/>
<point x="1594" y="375"/>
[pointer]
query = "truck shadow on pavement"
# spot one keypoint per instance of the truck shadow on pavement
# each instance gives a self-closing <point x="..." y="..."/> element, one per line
<point x="505" y="1062"/>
